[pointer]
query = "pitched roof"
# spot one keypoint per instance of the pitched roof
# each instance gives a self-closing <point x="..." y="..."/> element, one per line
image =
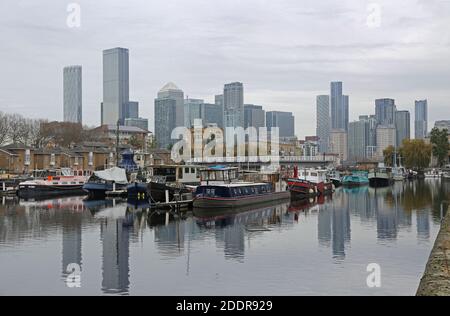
<point x="169" y="86"/>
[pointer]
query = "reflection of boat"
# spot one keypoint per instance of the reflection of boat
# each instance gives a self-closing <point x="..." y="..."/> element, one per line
<point x="356" y="189"/>
<point x="106" y="180"/>
<point x="446" y="176"/>
<point x="68" y="182"/>
<point x="355" y="179"/>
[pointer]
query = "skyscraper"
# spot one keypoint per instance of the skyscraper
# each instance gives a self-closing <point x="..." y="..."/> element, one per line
<point x="386" y="136"/>
<point x="371" y="142"/>
<point x="283" y="120"/>
<point x="339" y="143"/>
<point x="358" y="137"/>
<point x="212" y="114"/>
<point x="339" y="107"/>
<point x="385" y="111"/>
<point x="403" y="126"/>
<point x="115" y="85"/>
<point x="254" y="116"/>
<point x="167" y="113"/>
<point x="192" y="111"/>
<point x="323" y="122"/>
<point x="72" y="84"/>
<point x="171" y="91"/>
<point x="233" y="104"/>
<point x="421" y="119"/>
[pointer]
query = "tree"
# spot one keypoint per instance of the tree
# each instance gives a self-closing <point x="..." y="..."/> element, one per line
<point x="4" y="124"/>
<point x="388" y="155"/>
<point x="136" y="142"/>
<point x="416" y="154"/>
<point x="439" y="141"/>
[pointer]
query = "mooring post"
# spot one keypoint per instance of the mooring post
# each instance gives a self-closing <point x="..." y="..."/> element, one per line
<point x="3" y="186"/>
<point x="167" y="196"/>
<point x="114" y="186"/>
<point x="167" y="218"/>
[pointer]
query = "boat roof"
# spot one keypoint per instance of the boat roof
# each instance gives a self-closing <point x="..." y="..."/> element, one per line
<point x="235" y="185"/>
<point x="219" y="168"/>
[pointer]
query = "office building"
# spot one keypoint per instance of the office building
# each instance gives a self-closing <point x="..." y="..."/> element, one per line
<point x="192" y="111"/>
<point x="358" y="138"/>
<point x="421" y="119"/>
<point x="140" y="122"/>
<point x="339" y="107"/>
<point x="323" y="121"/>
<point x="283" y="120"/>
<point x="386" y="136"/>
<point x="72" y="86"/>
<point x="115" y="85"/>
<point x="254" y="116"/>
<point x="171" y="92"/>
<point x="339" y="144"/>
<point x="403" y="126"/>
<point x="385" y="111"/>
<point x="233" y="104"/>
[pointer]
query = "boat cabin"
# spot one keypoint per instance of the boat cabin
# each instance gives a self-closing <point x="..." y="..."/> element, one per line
<point x="313" y="175"/>
<point x="219" y="175"/>
<point x="234" y="190"/>
<point x="185" y="174"/>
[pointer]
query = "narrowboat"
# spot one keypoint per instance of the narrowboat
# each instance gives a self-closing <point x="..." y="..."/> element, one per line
<point x="355" y="179"/>
<point x="220" y="189"/>
<point x="106" y="180"/>
<point x="65" y="182"/>
<point x="309" y="183"/>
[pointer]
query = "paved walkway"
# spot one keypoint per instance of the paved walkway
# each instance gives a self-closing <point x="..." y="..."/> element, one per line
<point x="436" y="278"/>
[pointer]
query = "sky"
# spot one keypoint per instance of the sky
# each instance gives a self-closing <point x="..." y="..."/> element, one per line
<point x="285" y="52"/>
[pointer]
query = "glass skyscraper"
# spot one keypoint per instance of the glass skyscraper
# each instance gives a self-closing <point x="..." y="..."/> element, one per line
<point x="421" y="119"/>
<point x="323" y="122"/>
<point x="72" y="85"/>
<point x="339" y="107"/>
<point x="233" y="104"/>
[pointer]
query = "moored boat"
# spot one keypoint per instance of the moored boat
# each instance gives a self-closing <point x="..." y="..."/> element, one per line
<point x="64" y="183"/>
<point x="220" y="189"/>
<point x="106" y="180"/>
<point x="355" y="179"/>
<point x="380" y="177"/>
<point x="309" y="183"/>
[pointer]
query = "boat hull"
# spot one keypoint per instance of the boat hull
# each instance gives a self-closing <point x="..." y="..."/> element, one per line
<point x="379" y="182"/>
<point x="98" y="190"/>
<point x="156" y="192"/>
<point x="38" y="191"/>
<point x="233" y="203"/>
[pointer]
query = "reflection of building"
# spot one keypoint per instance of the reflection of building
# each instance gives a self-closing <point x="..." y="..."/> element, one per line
<point x="115" y="235"/>
<point x="423" y="224"/>
<point x="324" y="226"/>
<point x="341" y="231"/>
<point x="71" y="242"/>
<point x="170" y="238"/>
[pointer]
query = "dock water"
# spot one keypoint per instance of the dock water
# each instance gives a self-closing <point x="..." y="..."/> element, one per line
<point x="436" y="278"/>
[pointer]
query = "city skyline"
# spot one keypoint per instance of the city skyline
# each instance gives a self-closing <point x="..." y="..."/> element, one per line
<point x="406" y="58"/>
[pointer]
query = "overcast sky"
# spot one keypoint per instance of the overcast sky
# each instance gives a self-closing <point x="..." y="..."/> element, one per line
<point x="285" y="52"/>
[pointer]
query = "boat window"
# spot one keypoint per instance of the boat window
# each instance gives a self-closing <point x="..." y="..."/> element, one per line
<point x="186" y="170"/>
<point x="55" y="182"/>
<point x="314" y="174"/>
<point x="193" y="170"/>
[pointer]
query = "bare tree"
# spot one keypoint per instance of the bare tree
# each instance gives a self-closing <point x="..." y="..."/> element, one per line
<point x="3" y="128"/>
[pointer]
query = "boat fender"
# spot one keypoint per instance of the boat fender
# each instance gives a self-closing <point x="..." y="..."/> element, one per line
<point x="311" y="191"/>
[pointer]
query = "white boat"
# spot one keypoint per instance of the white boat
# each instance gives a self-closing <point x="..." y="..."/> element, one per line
<point x="434" y="174"/>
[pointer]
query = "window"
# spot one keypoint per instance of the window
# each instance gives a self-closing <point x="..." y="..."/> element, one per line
<point x="193" y="170"/>
<point x="186" y="170"/>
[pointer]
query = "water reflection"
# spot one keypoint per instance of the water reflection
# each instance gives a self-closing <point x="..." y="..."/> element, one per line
<point x="386" y="213"/>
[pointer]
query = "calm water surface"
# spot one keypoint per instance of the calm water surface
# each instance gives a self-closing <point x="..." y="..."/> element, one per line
<point x="311" y="247"/>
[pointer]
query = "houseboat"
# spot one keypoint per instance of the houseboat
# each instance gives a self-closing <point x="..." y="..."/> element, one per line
<point x="309" y="183"/>
<point x="175" y="179"/>
<point x="220" y="189"/>
<point x="380" y="177"/>
<point x="357" y="178"/>
<point x="335" y="177"/>
<point x="64" y="182"/>
<point x="106" y="180"/>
